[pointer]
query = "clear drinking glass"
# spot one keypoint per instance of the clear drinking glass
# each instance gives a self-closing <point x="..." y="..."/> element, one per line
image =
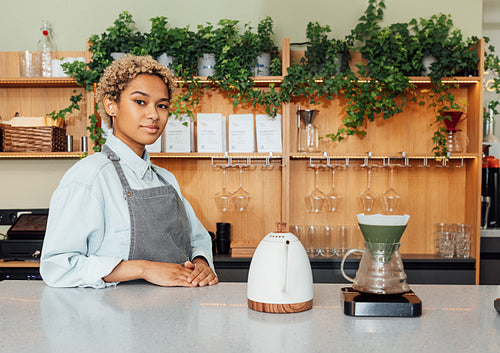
<point x="341" y="240"/>
<point x="462" y="248"/>
<point x="447" y="244"/>
<point x="306" y="240"/>
<point x="298" y="231"/>
<point x="368" y="197"/>
<point x="391" y="197"/>
<point x="328" y="244"/>
<point x="315" y="199"/>
<point x="313" y="237"/>
<point x="463" y="232"/>
<point x="222" y="197"/>
<point x="29" y="63"/>
<point x="240" y="198"/>
<point x="333" y="198"/>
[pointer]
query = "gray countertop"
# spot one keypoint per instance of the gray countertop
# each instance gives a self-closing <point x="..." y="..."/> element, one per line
<point x="139" y="317"/>
<point x="490" y="233"/>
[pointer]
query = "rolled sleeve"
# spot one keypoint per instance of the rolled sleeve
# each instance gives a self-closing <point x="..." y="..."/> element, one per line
<point x="74" y="234"/>
<point x="201" y="243"/>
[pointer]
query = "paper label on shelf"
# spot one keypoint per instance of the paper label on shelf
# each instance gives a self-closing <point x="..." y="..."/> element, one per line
<point x="211" y="132"/>
<point x="178" y="134"/>
<point x="268" y="132"/>
<point x="241" y="134"/>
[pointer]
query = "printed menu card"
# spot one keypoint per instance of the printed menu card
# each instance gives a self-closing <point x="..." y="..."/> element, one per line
<point x="179" y="134"/>
<point x="268" y="133"/>
<point x="241" y="134"/>
<point x="211" y="132"/>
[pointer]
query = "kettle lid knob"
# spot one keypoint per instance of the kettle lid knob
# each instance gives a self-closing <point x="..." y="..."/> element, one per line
<point x="281" y="227"/>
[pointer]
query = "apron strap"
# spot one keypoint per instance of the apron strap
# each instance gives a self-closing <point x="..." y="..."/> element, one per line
<point x="116" y="163"/>
<point x="162" y="179"/>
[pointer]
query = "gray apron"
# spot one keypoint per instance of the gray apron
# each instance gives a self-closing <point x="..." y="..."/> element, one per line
<point x="159" y="227"/>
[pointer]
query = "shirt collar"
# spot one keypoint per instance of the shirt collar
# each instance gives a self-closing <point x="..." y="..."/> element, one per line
<point x="140" y="166"/>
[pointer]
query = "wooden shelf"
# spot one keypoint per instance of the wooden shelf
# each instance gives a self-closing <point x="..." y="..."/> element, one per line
<point x="32" y="82"/>
<point x="458" y="80"/>
<point x="41" y="155"/>
<point x="320" y="155"/>
<point x="197" y="155"/>
<point x="259" y="81"/>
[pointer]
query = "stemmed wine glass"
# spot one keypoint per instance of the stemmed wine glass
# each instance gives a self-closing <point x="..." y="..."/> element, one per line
<point x="240" y="198"/>
<point x="315" y="199"/>
<point x="222" y="197"/>
<point x="333" y="198"/>
<point x="368" y="197"/>
<point x="390" y="196"/>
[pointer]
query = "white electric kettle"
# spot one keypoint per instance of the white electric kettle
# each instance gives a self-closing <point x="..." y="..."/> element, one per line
<point x="280" y="276"/>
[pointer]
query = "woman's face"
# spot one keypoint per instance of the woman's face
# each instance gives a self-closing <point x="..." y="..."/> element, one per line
<point x="140" y="116"/>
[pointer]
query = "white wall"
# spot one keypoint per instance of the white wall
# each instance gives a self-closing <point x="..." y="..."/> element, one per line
<point x="491" y="29"/>
<point x="74" y="21"/>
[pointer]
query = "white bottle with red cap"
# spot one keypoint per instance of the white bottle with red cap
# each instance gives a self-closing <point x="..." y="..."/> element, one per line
<point x="47" y="49"/>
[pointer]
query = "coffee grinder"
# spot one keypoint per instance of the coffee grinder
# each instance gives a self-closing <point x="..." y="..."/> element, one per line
<point x="380" y="287"/>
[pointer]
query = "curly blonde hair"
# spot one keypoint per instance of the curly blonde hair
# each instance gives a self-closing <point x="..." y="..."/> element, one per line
<point x="117" y="76"/>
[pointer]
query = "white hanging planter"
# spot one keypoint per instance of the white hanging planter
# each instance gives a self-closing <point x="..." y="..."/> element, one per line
<point x="117" y="55"/>
<point x="167" y="60"/>
<point x="427" y="61"/>
<point x="339" y="63"/>
<point x="206" y="65"/>
<point x="263" y="65"/>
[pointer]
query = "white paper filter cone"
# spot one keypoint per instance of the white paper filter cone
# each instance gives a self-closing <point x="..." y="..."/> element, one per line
<point x="383" y="220"/>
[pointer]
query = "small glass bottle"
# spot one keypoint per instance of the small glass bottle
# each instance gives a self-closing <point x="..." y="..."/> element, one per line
<point x="47" y="49"/>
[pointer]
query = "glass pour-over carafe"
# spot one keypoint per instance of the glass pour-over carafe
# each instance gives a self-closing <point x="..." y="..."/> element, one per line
<point x="381" y="268"/>
<point x="308" y="137"/>
<point x="456" y="141"/>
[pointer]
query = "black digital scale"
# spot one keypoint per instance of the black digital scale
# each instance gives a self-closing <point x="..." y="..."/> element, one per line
<point x="356" y="303"/>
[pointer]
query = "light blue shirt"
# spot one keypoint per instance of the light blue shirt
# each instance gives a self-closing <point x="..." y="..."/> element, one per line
<point x="88" y="229"/>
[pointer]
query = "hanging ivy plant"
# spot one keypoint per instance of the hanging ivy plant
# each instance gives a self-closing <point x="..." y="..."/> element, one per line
<point x="379" y="89"/>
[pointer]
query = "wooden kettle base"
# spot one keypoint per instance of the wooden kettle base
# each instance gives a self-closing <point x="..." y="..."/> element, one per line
<point x="280" y="308"/>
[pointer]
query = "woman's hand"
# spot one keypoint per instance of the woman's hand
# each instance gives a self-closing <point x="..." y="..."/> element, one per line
<point x="201" y="275"/>
<point x="159" y="273"/>
<point x="168" y="274"/>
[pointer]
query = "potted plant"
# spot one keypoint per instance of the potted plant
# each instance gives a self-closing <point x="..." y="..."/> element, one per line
<point x="324" y="57"/>
<point x="261" y="48"/>
<point x="431" y="35"/>
<point x="170" y="46"/>
<point x="121" y="37"/>
<point x="322" y="71"/>
<point x="158" y="45"/>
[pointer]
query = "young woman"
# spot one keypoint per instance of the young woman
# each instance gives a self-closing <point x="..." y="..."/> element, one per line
<point x="116" y="217"/>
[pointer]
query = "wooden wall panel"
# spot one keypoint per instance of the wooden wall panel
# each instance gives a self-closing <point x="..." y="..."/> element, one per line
<point x="200" y="182"/>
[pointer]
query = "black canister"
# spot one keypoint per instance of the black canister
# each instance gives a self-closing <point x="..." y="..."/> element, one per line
<point x="223" y="238"/>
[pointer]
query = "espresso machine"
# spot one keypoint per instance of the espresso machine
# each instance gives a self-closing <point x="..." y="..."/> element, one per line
<point x="490" y="191"/>
<point x="380" y="287"/>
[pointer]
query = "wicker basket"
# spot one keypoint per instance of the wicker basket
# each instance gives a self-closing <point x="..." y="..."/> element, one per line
<point x="33" y="139"/>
